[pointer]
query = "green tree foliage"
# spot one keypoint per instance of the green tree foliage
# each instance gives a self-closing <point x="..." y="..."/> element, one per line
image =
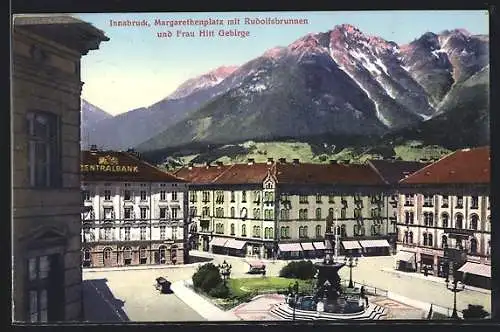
<point x="301" y="270"/>
<point x="207" y="277"/>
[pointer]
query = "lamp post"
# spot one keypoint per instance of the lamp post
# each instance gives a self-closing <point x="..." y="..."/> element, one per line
<point x="295" y="296"/>
<point x="336" y="249"/>
<point x="455" y="286"/>
<point x="350" y="263"/>
<point x="225" y="271"/>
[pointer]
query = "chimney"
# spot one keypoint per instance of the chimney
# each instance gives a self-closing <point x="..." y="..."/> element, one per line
<point x="190" y="166"/>
<point x="269" y="161"/>
<point x="130" y="150"/>
<point x="282" y="160"/>
<point x="93" y="147"/>
<point x="251" y="161"/>
<point x="207" y="164"/>
<point x="333" y="162"/>
<point x="219" y="163"/>
<point x="296" y="161"/>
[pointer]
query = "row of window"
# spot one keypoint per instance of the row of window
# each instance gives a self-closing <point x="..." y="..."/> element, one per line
<point x="129" y="214"/>
<point x="427" y="240"/>
<point x="256" y="231"/>
<point x="431" y="200"/>
<point x="109" y="234"/>
<point x="428" y="220"/>
<point x="304" y="214"/>
<point x="127" y="195"/>
<point x="128" y="253"/>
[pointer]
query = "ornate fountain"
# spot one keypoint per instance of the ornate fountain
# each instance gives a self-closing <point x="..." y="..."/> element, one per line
<point x="329" y="300"/>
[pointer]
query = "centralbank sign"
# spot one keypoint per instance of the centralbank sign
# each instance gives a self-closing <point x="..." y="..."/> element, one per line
<point x="109" y="164"/>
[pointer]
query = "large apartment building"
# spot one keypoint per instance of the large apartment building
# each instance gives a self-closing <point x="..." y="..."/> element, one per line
<point x="444" y="216"/>
<point x="46" y="87"/>
<point x="282" y="209"/>
<point x="136" y="212"/>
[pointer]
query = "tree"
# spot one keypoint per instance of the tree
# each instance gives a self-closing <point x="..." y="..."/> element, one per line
<point x="207" y="277"/>
<point x="475" y="312"/>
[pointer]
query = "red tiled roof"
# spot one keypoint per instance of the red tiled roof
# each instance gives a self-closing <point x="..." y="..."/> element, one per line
<point x="201" y="174"/>
<point x="327" y="174"/>
<point x="460" y="167"/>
<point x="145" y="171"/>
<point x="244" y="174"/>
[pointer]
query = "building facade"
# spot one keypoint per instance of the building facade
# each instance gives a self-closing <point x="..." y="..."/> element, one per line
<point x="444" y="216"/>
<point x="283" y="209"/>
<point x="136" y="213"/>
<point x="46" y="87"/>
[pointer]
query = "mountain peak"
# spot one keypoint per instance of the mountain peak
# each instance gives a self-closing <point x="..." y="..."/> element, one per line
<point x="206" y="80"/>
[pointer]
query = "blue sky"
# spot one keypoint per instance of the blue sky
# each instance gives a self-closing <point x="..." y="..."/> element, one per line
<point x="136" y="68"/>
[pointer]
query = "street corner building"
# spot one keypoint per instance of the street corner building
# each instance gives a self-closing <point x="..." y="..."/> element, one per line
<point x="282" y="209"/>
<point x="444" y="221"/>
<point x="135" y="213"/>
<point x="46" y="87"/>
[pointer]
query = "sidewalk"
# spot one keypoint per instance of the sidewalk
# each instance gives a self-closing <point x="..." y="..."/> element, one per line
<point x="202" y="306"/>
<point x="139" y="267"/>
<point x="250" y="259"/>
<point x="434" y="279"/>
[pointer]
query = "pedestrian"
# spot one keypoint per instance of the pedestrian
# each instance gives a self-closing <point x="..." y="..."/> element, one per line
<point x="362" y="291"/>
<point x="426" y="273"/>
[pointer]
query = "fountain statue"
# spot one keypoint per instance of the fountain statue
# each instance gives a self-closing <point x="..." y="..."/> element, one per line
<point x="328" y="296"/>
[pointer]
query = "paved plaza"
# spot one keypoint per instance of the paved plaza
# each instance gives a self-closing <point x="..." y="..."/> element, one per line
<point x="129" y="294"/>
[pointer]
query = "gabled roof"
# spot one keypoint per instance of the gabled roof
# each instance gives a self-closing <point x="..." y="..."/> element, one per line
<point x="348" y="174"/>
<point x="132" y="168"/>
<point x="251" y="173"/>
<point x="393" y="171"/>
<point x="201" y="174"/>
<point x="467" y="166"/>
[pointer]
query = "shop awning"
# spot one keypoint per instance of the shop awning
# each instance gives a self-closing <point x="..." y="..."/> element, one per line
<point x="289" y="247"/>
<point x="477" y="269"/>
<point x="235" y="244"/>
<point x="218" y="241"/>
<point x="307" y="246"/>
<point x="348" y="245"/>
<point x="374" y="243"/>
<point x="405" y="256"/>
<point x="319" y="245"/>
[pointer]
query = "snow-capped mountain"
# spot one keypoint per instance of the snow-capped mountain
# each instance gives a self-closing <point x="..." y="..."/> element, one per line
<point x="205" y="81"/>
<point x="341" y="82"/>
<point x="131" y="128"/>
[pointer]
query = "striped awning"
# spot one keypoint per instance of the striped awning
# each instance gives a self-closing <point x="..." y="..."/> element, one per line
<point x="477" y="269"/>
<point x="307" y="246"/>
<point x="289" y="247"/>
<point x="374" y="243"/>
<point x="348" y="245"/>
<point x="218" y="241"/>
<point x="405" y="256"/>
<point x="319" y="245"/>
<point x="235" y="244"/>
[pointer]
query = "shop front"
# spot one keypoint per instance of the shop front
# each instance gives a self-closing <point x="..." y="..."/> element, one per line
<point x="406" y="261"/>
<point x="319" y="248"/>
<point x="375" y="247"/>
<point x="290" y="251"/>
<point x="476" y="274"/>
<point x="235" y="247"/>
<point x="426" y="265"/>
<point x="217" y="245"/>
<point x="351" y="248"/>
<point x="308" y="250"/>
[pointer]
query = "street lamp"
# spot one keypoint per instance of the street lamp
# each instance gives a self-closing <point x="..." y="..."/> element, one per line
<point x="350" y="263"/>
<point x="336" y="249"/>
<point x="455" y="286"/>
<point x="295" y="296"/>
<point x="225" y="270"/>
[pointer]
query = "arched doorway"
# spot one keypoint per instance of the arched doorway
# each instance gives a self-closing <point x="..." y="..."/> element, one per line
<point x="162" y="252"/>
<point x="127" y="256"/>
<point x="173" y="254"/>
<point x="87" y="258"/>
<point x="106" y="257"/>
